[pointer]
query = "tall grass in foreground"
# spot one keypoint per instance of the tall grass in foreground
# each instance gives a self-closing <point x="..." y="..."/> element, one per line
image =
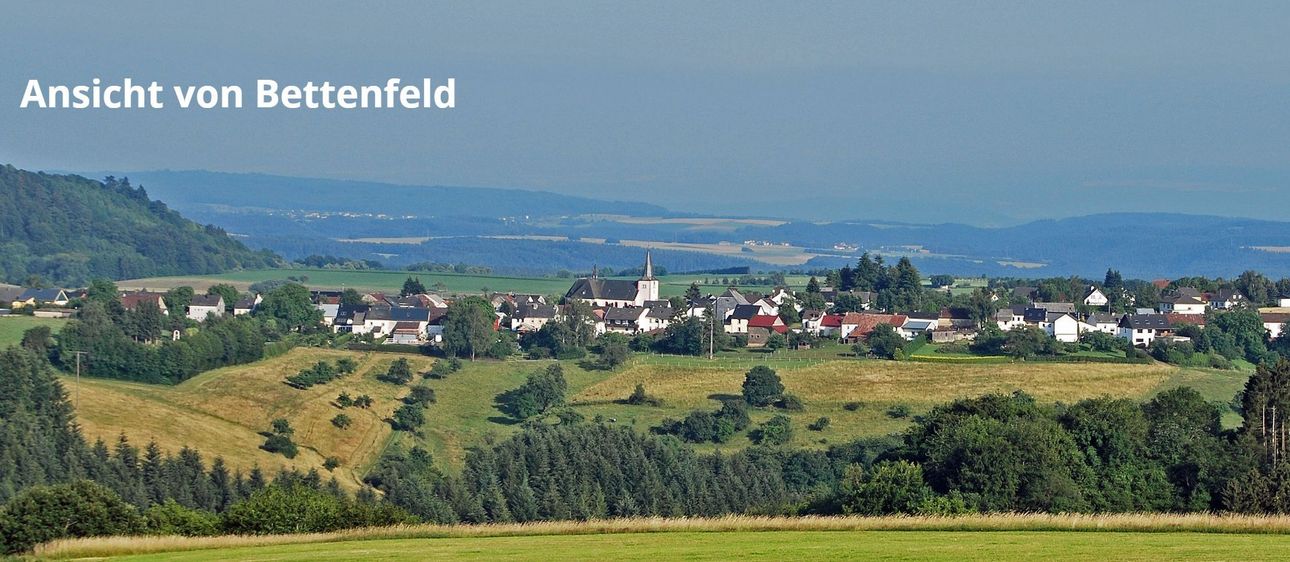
<point x="1132" y="522"/>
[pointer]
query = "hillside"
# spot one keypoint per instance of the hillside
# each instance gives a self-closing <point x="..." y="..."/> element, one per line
<point x="68" y="229"/>
<point x="242" y="400"/>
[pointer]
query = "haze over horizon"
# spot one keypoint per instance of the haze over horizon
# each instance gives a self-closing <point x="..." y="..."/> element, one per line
<point x="912" y="112"/>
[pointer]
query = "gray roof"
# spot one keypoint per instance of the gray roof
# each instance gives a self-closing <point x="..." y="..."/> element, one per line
<point x="1056" y="306"/>
<point x="1103" y="318"/>
<point x="1180" y="299"/>
<point x="626" y="313"/>
<point x="206" y="300"/>
<point x="1035" y="315"/>
<point x="595" y="288"/>
<point x="745" y="311"/>
<point x="535" y="310"/>
<point x="1145" y="322"/>
<point x="42" y="295"/>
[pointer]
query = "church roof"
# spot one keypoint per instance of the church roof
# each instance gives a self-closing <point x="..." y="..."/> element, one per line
<point x="589" y="288"/>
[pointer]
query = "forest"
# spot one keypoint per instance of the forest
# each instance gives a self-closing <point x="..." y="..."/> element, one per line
<point x="63" y="230"/>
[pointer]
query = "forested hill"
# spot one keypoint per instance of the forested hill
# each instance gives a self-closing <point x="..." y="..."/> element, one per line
<point x="68" y="229"/>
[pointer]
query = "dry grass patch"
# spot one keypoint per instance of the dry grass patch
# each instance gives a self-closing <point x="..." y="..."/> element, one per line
<point x="221" y="412"/>
<point x="890" y="381"/>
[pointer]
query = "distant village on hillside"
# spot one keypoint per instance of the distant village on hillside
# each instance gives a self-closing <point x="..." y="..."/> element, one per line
<point x="635" y="308"/>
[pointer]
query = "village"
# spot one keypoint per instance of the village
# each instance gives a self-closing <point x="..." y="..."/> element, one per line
<point x="753" y="318"/>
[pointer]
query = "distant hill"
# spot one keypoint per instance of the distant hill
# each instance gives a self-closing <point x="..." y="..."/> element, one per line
<point x="205" y="191"/>
<point x="68" y="229"/>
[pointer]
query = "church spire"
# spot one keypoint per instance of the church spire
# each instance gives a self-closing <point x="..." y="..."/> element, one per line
<point x="649" y="267"/>
<point x="593" y="270"/>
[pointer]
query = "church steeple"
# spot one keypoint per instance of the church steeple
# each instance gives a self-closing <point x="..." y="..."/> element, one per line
<point x="649" y="267"/>
<point x="647" y="285"/>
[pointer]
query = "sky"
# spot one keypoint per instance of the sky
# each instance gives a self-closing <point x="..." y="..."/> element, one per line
<point x="975" y="112"/>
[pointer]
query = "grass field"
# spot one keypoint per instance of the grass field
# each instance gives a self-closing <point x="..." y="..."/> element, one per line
<point x="392" y="281"/>
<point x="12" y="327"/>
<point x="221" y="412"/>
<point x="992" y="537"/>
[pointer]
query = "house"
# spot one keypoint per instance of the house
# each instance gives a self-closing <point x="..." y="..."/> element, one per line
<point x="1024" y="294"/>
<point x="434" y="324"/>
<point x="737" y="323"/>
<point x="1103" y="322"/>
<point x="330" y="308"/>
<point x="830" y="325"/>
<point x="131" y="301"/>
<point x="913" y="327"/>
<point x="1178" y="320"/>
<point x="768" y="322"/>
<point x="1275" y="323"/>
<point x="858" y="325"/>
<point x="1227" y="299"/>
<point x="698" y="308"/>
<point x="726" y="302"/>
<point x="39" y="297"/>
<point x="246" y="305"/>
<point x="600" y="293"/>
<point x="758" y="337"/>
<point x="1067" y="307"/>
<point x="1062" y="326"/>
<point x="381" y="320"/>
<point x="811" y="320"/>
<point x="768" y="307"/>
<point x="1283" y="301"/>
<point x="9" y="294"/>
<point x="1011" y="317"/>
<point x="659" y="317"/>
<point x="532" y="316"/>
<point x="951" y="335"/>
<point x="407" y="333"/>
<point x="350" y="319"/>
<point x="204" y="305"/>
<point x="952" y="317"/>
<point x="625" y="319"/>
<point x="1182" y="304"/>
<point x="1142" y="329"/>
<point x="831" y="296"/>
<point x="1096" y="298"/>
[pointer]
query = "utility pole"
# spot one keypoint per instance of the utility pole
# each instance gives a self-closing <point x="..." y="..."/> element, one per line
<point x="712" y="331"/>
<point x="78" y="378"/>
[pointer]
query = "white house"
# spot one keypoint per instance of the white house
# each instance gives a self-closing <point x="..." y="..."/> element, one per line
<point x="247" y="304"/>
<point x="1227" y="299"/>
<point x="1283" y="301"/>
<point x="625" y="319"/>
<point x="1096" y="298"/>
<point x="531" y="317"/>
<point x="1103" y="322"/>
<point x="1181" y="304"/>
<point x="1062" y="326"/>
<point x="203" y="305"/>
<point x="737" y="323"/>
<point x="1275" y="322"/>
<point x="1142" y="329"/>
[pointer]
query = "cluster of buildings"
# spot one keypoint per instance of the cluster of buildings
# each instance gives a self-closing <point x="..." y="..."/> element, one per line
<point x="634" y="307"/>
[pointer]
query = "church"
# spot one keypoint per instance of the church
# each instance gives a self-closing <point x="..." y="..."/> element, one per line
<point x="601" y="293"/>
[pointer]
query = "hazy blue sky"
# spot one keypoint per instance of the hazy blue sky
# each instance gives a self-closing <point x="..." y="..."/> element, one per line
<point x="973" y="112"/>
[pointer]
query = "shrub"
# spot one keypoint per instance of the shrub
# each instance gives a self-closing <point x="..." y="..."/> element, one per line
<point x="283" y="444"/>
<point x="331" y="463"/>
<point x="852" y="406"/>
<point x="321" y="373"/>
<point x="640" y="398"/>
<point x="421" y="395"/>
<point x="77" y="509"/>
<point x="898" y="411"/>
<point x="444" y="367"/>
<point x="297" y="508"/>
<point x="778" y="430"/>
<point x="344" y="400"/>
<point x="819" y="424"/>
<point x="170" y="518"/>
<point x="363" y="401"/>
<point x="400" y="372"/>
<point x="542" y="391"/>
<point x="342" y="421"/>
<point x="408" y="417"/>
<point x="791" y="403"/>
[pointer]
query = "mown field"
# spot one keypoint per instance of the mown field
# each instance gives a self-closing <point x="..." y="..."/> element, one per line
<point x="222" y="411"/>
<point x="392" y="281"/>
<point x="978" y="537"/>
<point x="12" y="327"/>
